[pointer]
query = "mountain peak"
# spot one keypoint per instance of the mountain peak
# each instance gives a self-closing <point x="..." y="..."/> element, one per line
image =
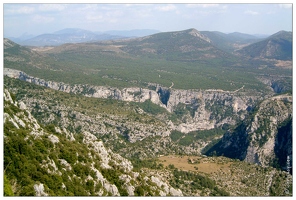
<point x="283" y="34"/>
<point x="71" y="30"/>
<point x="196" y="33"/>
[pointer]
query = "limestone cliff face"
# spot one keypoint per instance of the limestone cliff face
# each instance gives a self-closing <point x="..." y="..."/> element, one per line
<point x="209" y="108"/>
<point x="264" y="129"/>
<point x="201" y="109"/>
<point x="264" y="138"/>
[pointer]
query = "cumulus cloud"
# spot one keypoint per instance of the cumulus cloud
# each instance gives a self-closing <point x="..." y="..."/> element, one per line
<point x="250" y="12"/>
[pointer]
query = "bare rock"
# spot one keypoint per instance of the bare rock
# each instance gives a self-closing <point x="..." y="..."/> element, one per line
<point x="39" y="190"/>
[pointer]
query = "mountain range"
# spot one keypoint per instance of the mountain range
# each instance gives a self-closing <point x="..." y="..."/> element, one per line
<point x="187" y="112"/>
<point x="230" y="42"/>
<point x="75" y="35"/>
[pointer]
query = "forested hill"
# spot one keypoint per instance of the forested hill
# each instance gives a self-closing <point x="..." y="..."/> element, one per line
<point x="278" y="46"/>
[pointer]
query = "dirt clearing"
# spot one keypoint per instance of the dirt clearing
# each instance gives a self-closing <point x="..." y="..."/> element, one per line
<point x="196" y="163"/>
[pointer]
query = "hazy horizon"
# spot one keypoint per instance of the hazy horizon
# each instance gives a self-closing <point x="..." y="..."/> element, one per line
<point x="28" y="35"/>
<point x="253" y="19"/>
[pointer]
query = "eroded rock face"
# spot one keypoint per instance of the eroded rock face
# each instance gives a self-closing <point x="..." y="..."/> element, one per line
<point x="206" y="109"/>
<point x="264" y="128"/>
<point x="196" y="33"/>
<point x="265" y="138"/>
<point x="166" y="189"/>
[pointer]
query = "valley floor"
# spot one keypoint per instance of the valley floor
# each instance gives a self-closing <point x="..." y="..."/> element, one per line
<point x="238" y="178"/>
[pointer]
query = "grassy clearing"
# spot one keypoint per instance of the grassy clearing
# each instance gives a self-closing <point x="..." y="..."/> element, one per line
<point x="196" y="163"/>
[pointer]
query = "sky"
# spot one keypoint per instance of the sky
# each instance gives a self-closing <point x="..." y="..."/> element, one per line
<point x="250" y="18"/>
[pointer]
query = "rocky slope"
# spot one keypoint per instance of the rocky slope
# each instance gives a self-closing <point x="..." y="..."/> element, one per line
<point x="196" y="109"/>
<point x="49" y="161"/>
<point x="265" y="138"/>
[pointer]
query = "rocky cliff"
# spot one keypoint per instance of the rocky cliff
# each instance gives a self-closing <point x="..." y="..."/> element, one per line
<point x="196" y="109"/>
<point x="265" y="137"/>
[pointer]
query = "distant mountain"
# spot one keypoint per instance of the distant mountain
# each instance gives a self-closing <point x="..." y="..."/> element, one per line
<point x="261" y="35"/>
<point x="70" y="35"/>
<point x="241" y="36"/>
<point x="277" y="46"/>
<point x="76" y="35"/>
<point x="74" y="31"/>
<point x="226" y="42"/>
<point x="24" y="36"/>
<point x="187" y="45"/>
<point x="230" y="42"/>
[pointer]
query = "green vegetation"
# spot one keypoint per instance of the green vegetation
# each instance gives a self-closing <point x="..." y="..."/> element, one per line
<point x="281" y="185"/>
<point x="85" y="105"/>
<point x="145" y="163"/>
<point x="260" y="181"/>
<point x="74" y="107"/>
<point x="24" y="160"/>
<point x="210" y="146"/>
<point x="191" y="137"/>
<point x="151" y="108"/>
<point x="28" y="161"/>
<point x="176" y="135"/>
<point x="96" y="67"/>
<point x="113" y="177"/>
<point x="196" y="182"/>
<point x="283" y="51"/>
<point x="219" y="110"/>
<point x="7" y="187"/>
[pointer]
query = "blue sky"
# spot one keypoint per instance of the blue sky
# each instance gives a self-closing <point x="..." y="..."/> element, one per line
<point x="245" y="18"/>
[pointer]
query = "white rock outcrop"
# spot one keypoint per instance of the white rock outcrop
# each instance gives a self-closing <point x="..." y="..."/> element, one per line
<point x="39" y="190"/>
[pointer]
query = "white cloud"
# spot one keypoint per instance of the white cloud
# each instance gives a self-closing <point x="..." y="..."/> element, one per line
<point x="52" y="7"/>
<point x="166" y="8"/>
<point x="250" y="12"/>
